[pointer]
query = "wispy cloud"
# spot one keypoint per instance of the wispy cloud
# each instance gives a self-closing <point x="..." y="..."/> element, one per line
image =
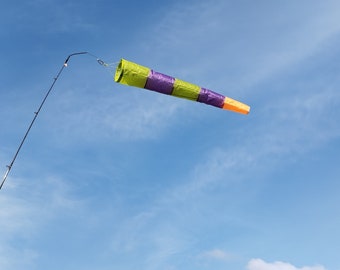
<point x="9" y="257"/>
<point x="122" y="115"/>
<point x="24" y="213"/>
<point x="291" y="128"/>
<point x="217" y="254"/>
<point x="18" y="220"/>
<point x="248" y="53"/>
<point x="259" y="264"/>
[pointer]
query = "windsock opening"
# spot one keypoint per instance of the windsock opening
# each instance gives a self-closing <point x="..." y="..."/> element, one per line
<point x="132" y="74"/>
<point x="119" y="72"/>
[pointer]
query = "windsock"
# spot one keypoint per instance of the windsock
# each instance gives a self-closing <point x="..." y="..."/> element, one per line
<point x="133" y="74"/>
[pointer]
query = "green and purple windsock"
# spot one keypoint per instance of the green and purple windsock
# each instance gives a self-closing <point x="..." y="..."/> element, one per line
<point x="132" y="74"/>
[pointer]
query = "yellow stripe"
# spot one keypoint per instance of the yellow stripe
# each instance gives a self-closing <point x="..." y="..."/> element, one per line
<point x="186" y="90"/>
<point x="132" y="74"/>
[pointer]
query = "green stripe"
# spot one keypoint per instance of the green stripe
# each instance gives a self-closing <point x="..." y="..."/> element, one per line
<point x="132" y="74"/>
<point x="186" y="90"/>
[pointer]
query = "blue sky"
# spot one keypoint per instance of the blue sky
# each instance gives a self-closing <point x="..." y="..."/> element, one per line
<point x="114" y="177"/>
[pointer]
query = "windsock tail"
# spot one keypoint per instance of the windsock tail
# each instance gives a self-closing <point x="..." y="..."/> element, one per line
<point x="235" y="106"/>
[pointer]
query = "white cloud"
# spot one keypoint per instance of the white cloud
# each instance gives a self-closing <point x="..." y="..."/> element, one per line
<point x="259" y="264"/>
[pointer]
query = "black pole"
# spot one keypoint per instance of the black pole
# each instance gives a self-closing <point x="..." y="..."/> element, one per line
<point x="9" y="167"/>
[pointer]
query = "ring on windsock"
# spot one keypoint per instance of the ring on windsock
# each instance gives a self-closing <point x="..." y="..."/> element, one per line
<point x="133" y="74"/>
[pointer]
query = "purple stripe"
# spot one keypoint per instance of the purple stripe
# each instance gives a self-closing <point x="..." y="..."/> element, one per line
<point x="160" y="83"/>
<point x="211" y="98"/>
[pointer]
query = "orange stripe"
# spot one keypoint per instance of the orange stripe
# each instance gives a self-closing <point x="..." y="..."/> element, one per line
<point x="235" y="106"/>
